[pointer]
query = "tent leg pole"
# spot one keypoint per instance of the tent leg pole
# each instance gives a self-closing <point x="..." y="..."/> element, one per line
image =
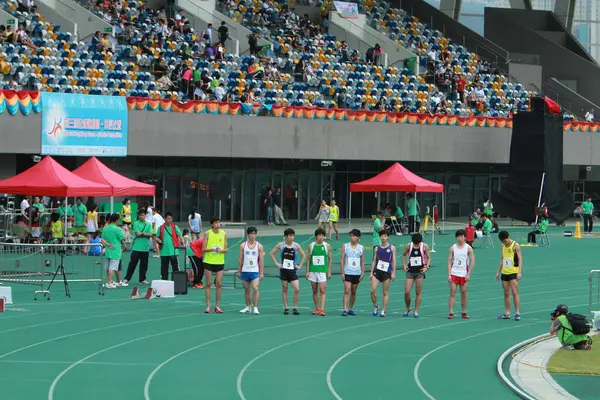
<point x="433" y="231"/>
<point x="540" y="197"/>
<point x="415" y="217"/>
<point x="350" y="211"/>
<point x="112" y="204"/>
<point x="154" y="201"/>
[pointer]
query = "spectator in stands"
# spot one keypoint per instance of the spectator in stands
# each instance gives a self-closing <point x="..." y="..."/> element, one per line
<point x="461" y="83"/>
<point x="342" y="99"/>
<point x="344" y="52"/>
<point x="589" y="116"/>
<point x="220" y="92"/>
<point x="253" y="43"/>
<point x="223" y="33"/>
<point x="22" y="37"/>
<point x="208" y="34"/>
<point x="2" y="34"/>
<point x="198" y="92"/>
<point x="160" y="68"/>
<point x="273" y="74"/>
<point x="10" y="34"/>
<point x="373" y="54"/>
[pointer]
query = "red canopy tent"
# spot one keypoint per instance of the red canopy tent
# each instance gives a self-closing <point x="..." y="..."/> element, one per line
<point x="397" y="179"/>
<point x="95" y="171"/>
<point x="52" y="179"/>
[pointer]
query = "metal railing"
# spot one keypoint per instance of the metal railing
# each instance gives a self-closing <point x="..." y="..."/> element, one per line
<point x="594" y="305"/>
<point x="44" y="264"/>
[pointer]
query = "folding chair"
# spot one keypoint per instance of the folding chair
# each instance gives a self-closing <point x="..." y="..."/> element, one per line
<point x="488" y="243"/>
<point x="396" y="225"/>
<point x="373" y="218"/>
<point x="542" y="239"/>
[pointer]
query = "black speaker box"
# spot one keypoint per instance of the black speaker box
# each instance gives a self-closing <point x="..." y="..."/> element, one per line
<point x="180" y="282"/>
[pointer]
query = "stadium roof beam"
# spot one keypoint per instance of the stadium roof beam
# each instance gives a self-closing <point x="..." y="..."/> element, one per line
<point x="521" y="4"/>
<point x="451" y="8"/>
<point x="565" y="12"/>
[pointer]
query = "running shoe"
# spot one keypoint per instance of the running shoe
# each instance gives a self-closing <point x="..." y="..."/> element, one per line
<point x="407" y="313"/>
<point x="322" y="313"/>
<point x="208" y="310"/>
<point x="246" y="310"/>
<point x="451" y="316"/>
<point x="125" y="281"/>
<point x="316" y="311"/>
<point x="344" y="313"/>
<point x="110" y="285"/>
<point x="351" y="312"/>
<point x="218" y="310"/>
<point x="382" y="314"/>
<point x="198" y="286"/>
<point x="517" y="317"/>
<point x="286" y="311"/>
<point x="295" y="311"/>
<point x="337" y="236"/>
<point x="144" y="282"/>
<point x="504" y="316"/>
<point x="464" y="316"/>
<point x="255" y="311"/>
<point x="123" y="284"/>
<point x="375" y="310"/>
<point x="416" y="315"/>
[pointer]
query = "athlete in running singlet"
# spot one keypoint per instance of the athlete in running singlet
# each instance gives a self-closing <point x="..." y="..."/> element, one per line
<point x="215" y="248"/>
<point x="288" y="268"/>
<point x="251" y="267"/>
<point x="417" y="254"/>
<point x="352" y="263"/>
<point x="509" y="271"/>
<point x="334" y="218"/>
<point x="318" y="270"/>
<point x="383" y="270"/>
<point x="461" y="262"/>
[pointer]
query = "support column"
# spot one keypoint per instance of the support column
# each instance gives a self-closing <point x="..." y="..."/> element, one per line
<point x="521" y="4"/>
<point x="451" y="8"/>
<point x="565" y="12"/>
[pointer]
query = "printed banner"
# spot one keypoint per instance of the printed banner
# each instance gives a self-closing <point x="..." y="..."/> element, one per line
<point x="346" y="10"/>
<point x="84" y="125"/>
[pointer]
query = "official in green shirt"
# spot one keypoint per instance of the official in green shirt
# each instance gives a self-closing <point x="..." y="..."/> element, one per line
<point x="588" y="216"/>
<point x="413" y="210"/>
<point x="487" y="225"/>
<point x="169" y="239"/>
<point x="64" y="209"/>
<point x="112" y="239"/>
<point x="377" y="226"/>
<point x="79" y="211"/>
<point x="140" y="249"/>
<point x="38" y="204"/>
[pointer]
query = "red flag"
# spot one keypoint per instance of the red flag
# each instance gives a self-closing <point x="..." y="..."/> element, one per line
<point x="552" y="106"/>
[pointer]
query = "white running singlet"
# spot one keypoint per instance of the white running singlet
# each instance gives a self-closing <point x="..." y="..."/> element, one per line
<point x="460" y="260"/>
<point x="250" y="258"/>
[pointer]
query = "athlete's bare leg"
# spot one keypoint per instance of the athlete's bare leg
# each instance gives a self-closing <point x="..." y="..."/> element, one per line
<point x="408" y="284"/>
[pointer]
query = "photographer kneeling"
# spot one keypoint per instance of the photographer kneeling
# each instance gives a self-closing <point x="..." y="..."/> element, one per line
<point x="570" y="329"/>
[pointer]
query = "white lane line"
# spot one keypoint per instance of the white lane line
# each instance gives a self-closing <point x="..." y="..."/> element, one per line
<point x="93" y="330"/>
<point x="73" y="365"/>
<point x="71" y="362"/>
<point x="159" y="367"/>
<point x="420" y="361"/>
<point x="342" y="357"/>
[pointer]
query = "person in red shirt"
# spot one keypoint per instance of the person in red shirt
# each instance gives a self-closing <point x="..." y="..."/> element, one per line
<point x="195" y="255"/>
<point x="461" y="83"/>
<point x="470" y="234"/>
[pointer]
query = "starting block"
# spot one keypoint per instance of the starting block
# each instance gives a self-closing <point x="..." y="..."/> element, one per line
<point x="149" y="295"/>
<point x="6" y="294"/>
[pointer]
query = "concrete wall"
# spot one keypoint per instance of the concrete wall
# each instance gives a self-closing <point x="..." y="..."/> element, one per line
<point x="453" y="29"/>
<point x="87" y="22"/>
<point x="191" y="135"/>
<point x="5" y="17"/>
<point x="54" y="17"/>
<point x="503" y="26"/>
<point x="529" y="75"/>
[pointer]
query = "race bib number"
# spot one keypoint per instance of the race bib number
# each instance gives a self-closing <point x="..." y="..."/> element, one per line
<point x="460" y="263"/>
<point x="250" y="264"/>
<point x="288" y="264"/>
<point x="353" y="262"/>
<point x="383" y="266"/>
<point x="318" y="260"/>
<point x="415" y="261"/>
<point x="216" y="247"/>
<point x="507" y="262"/>
<point x="128" y="216"/>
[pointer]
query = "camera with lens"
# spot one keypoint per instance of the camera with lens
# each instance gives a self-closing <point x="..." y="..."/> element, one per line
<point x="561" y="309"/>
